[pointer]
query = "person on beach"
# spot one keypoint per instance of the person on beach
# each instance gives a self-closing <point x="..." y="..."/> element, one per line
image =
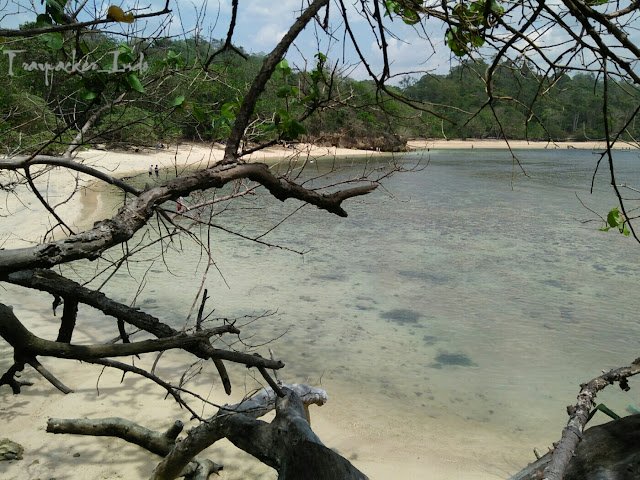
<point x="150" y="170"/>
<point x="157" y="171"/>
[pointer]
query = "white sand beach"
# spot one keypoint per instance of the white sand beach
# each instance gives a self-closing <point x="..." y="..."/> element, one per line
<point x="439" y="144"/>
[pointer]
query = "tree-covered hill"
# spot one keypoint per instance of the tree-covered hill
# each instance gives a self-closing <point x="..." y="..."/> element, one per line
<point x="182" y="95"/>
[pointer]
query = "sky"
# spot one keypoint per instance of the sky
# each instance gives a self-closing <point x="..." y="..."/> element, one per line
<point x="262" y="23"/>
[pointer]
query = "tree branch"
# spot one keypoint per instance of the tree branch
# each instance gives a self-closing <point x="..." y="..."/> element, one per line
<point x="579" y="415"/>
<point x="30" y="345"/>
<point x="155" y="442"/>
<point x="133" y="216"/>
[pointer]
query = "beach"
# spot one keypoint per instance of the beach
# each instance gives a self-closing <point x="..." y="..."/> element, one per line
<point x="374" y="450"/>
<point x="439" y="144"/>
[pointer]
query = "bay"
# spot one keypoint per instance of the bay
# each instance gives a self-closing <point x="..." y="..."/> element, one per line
<point x="452" y="315"/>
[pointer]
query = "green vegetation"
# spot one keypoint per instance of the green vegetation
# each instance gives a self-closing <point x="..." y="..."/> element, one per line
<point x="526" y="105"/>
<point x="175" y="98"/>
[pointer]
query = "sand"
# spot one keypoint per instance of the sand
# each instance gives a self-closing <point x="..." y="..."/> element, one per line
<point x="24" y="417"/>
<point x="513" y="144"/>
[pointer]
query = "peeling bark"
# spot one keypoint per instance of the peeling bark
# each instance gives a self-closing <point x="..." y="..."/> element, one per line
<point x="287" y="444"/>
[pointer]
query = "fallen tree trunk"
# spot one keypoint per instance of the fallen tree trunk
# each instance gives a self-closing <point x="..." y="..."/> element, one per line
<point x="287" y="444"/>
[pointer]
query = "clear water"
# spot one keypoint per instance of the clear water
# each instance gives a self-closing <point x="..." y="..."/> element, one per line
<point x="453" y="313"/>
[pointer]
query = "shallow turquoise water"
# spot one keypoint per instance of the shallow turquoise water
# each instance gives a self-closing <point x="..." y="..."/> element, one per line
<point x="463" y="293"/>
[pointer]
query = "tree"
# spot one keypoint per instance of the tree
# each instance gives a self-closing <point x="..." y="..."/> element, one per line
<point x="98" y="105"/>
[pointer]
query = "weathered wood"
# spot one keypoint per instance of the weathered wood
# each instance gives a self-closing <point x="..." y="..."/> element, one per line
<point x="30" y="345"/>
<point x="51" y="282"/>
<point x="287" y="444"/>
<point x="155" y="442"/>
<point x="91" y="243"/>
<point x="68" y="320"/>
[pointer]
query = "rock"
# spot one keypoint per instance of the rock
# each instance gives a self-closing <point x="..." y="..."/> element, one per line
<point x="607" y="452"/>
<point x="10" y="450"/>
<point x="386" y="142"/>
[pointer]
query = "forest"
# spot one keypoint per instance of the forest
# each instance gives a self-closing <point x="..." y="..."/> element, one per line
<point x="168" y="76"/>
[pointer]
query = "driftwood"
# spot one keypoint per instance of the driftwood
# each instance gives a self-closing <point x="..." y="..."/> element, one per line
<point x="287" y="443"/>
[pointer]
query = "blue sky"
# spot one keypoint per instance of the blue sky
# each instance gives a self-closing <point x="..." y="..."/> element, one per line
<point x="262" y="23"/>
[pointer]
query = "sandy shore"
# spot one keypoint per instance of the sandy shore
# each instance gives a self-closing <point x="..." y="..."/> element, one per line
<point x="202" y="155"/>
<point x="514" y="144"/>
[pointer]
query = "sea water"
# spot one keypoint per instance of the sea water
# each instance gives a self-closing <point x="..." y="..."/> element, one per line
<point x="451" y="316"/>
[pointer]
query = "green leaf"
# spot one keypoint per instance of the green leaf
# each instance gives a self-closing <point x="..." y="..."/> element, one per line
<point x="455" y="44"/>
<point x="134" y="82"/>
<point x="88" y="95"/>
<point x="284" y="91"/>
<point x="43" y="20"/>
<point x="178" y="101"/>
<point x="228" y="111"/>
<point x="607" y="411"/>
<point x="125" y="54"/>
<point x="613" y="218"/>
<point x="55" y="8"/>
<point x="283" y="67"/>
<point x="477" y="40"/>
<point x="174" y="59"/>
<point x="199" y="114"/>
<point x="410" y="17"/>
<point x="53" y="40"/>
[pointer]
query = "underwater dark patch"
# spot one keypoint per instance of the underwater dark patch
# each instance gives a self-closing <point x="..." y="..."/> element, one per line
<point x="403" y="316"/>
<point x="425" y="276"/>
<point x="566" y="314"/>
<point x="444" y="359"/>
<point x="429" y="340"/>
<point x="336" y="277"/>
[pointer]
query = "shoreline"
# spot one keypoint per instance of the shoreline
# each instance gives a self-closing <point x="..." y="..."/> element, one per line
<point x="454" y="144"/>
<point x="190" y="155"/>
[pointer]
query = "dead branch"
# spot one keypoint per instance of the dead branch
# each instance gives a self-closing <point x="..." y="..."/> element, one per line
<point x="135" y="215"/>
<point x="26" y="343"/>
<point x="51" y="282"/>
<point x="579" y="416"/>
<point x="155" y="442"/>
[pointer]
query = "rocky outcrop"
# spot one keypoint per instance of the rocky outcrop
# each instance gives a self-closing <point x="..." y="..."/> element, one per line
<point x="386" y="142"/>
